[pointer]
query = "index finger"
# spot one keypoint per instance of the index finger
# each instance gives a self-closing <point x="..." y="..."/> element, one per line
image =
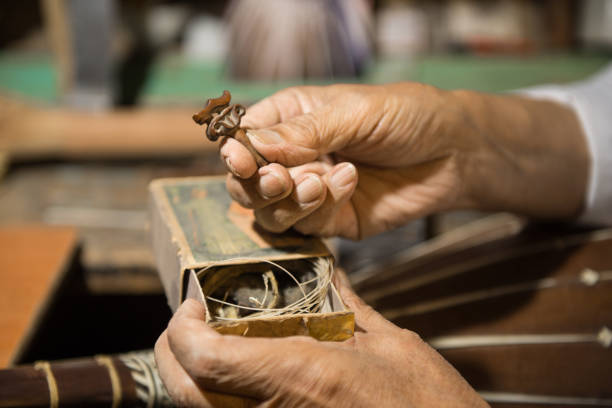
<point x="284" y="104"/>
<point x="270" y="111"/>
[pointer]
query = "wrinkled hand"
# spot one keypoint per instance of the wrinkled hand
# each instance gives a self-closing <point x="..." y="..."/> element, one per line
<point x="356" y="160"/>
<point x="382" y="365"/>
<point x="348" y="160"/>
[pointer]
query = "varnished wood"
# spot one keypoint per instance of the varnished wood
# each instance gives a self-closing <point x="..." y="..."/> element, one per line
<point x="33" y="263"/>
<point x="555" y="298"/>
<point x="80" y="382"/>
<point x="32" y="133"/>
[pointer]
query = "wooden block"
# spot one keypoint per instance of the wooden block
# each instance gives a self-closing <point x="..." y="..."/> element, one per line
<point x="34" y="261"/>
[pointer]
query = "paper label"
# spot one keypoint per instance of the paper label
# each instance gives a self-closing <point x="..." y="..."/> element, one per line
<point x="217" y="229"/>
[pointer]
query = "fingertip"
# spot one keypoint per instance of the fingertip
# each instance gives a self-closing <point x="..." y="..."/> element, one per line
<point x="188" y="328"/>
<point x="336" y="215"/>
<point x="343" y="177"/>
<point x="191" y="308"/>
<point x="274" y="181"/>
<point x="237" y="158"/>
<point x="237" y="190"/>
<point x="190" y="316"/>
<point x="310" y="189"/>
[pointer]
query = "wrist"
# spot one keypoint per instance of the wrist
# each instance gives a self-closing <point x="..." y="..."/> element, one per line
<point x="465" y="144"/>
<point x="525" y="156"/>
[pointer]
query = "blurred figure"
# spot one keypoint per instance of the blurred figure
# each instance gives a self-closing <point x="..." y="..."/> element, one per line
<point x="84" y="59"/>
<point x="289" y="39"/>
<point x="596" y="23"/>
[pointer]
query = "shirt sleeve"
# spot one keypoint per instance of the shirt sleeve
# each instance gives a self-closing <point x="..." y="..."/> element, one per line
<point x="592" y="102"/>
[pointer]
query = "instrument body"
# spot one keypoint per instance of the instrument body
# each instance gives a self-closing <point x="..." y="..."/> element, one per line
<point x="526" y="319"/>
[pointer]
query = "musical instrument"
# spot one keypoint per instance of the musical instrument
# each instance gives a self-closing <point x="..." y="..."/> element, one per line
<point x="126" y="380"/>
<point x="525" y="319"/>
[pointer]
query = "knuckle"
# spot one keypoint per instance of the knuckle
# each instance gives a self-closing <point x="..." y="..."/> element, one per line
<point x="315" y="226"/>
<point x="295" y="91"/>
<point x="289" y="91"/>
<point x="289" y="97"/>
<point x="274" y="219"/>
<point x="180" y="332"/>
<point x="195" y="361"/>
<point x="238" y="193"/>
<point x="309" y="127"/>
<point x="305" y="228"/>
<point x="244" y="199"/>
<point x="367" y="312"/>
<point x="411" y="336"/>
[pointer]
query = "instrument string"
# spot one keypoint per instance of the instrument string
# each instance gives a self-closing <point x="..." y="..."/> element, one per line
<point x="311" y="301"/>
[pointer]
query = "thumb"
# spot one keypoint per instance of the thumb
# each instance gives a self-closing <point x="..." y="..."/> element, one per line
<point x="366" y="317"/>
<point x="304" y="138"/>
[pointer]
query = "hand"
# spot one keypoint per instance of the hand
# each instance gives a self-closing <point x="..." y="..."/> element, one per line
<point x="323" y="139"/>
<point x="355" y="160"/>
<point x="382" y="365"/>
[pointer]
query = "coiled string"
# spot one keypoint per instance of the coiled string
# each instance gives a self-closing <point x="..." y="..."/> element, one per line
<point x="311" y="301"/>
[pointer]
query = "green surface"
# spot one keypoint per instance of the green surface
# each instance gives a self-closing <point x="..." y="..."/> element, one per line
<point x="211" y="228"/>
<point x="502" y="74"/>
<point x="30" y="76"/>
<point x="177" y="81"/>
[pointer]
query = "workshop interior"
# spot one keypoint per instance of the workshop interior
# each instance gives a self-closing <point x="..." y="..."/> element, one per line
<point x="97" y="103"/>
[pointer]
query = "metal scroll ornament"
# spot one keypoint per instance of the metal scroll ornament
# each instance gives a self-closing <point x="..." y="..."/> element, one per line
<point x="223" y="120"/>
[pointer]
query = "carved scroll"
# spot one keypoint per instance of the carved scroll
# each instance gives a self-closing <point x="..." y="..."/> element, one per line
<point x="223" y="120"/>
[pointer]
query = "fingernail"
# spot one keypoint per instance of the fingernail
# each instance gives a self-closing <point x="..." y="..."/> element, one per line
<point x="231" y="168"/>
<point x="309" y="189"/>
<point x="343" y="174"/>
<point x="265" y="136"/>
<point x="271" y="185"/>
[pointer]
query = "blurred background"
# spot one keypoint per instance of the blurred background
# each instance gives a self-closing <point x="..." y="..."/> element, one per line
<point x="96" y="100"/>
<point x="115" y="53"/>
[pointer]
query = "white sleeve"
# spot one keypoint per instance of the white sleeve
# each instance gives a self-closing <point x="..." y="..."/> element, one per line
<point x="592" y="101"/>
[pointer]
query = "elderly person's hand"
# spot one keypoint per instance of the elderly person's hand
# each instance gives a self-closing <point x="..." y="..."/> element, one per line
<point x="382" y="365"/>
<point x="355" y="160"/>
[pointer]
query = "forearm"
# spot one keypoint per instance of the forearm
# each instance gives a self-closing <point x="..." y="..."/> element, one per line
<point x="524" y="156"/>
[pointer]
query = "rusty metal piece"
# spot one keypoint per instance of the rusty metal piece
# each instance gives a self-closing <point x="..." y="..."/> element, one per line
<point x="226" y="123"/>
<point x="213" y="106"/>
<point x="223" y="120"/>
<point x="240" y="135"/>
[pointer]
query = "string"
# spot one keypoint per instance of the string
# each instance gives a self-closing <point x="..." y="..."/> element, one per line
<point x="310" y="302"/>
<point x="45" y="366"/>
<point x="107" y="362"/>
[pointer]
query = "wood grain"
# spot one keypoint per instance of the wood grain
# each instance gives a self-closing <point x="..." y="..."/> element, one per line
<point x="33" y="263"/>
